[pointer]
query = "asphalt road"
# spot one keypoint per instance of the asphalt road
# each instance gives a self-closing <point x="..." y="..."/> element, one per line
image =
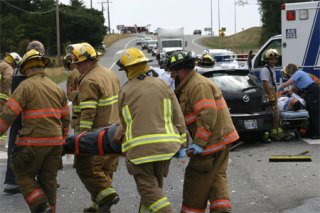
<point x="256" y="185"/>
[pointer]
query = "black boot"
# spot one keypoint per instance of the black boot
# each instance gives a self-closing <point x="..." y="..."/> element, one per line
<point x="106" y="205"/>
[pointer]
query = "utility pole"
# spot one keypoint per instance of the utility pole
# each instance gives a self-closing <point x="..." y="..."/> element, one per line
<point x="235" y="16"/>
<point x="108" y="10"/>
<point x="58" y="30"/>
<point x="91" y="4"/>
<point x="219" y="16"/>
<point x="211" y="19"/>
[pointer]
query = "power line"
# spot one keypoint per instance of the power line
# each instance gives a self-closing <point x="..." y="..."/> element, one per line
<point x="17" y="8"/>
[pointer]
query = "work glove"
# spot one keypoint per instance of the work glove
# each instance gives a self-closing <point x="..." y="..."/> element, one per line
<point x="181" y="153"/>
<point x="272" y="100"/>
<point x="195" y="149"/>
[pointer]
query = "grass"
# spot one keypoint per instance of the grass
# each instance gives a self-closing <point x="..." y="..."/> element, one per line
<point x="241" y="42"/>
<point x="109" y="39"/>
<point x="57" y="74"/>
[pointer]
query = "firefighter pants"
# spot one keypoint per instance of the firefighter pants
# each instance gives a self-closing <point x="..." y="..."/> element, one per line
<point x="41" y="162"/>
<point x="96" y="173"/>
<point x="206" y="180"/>
<point x="149" y="181"/>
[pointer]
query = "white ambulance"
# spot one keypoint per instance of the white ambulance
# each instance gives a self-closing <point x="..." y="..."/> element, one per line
<point x="299" y="42"/>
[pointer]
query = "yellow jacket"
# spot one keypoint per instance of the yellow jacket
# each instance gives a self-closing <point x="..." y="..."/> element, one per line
<point x="98" y="98"/>
<point x="152" y="120"/>
<point x="44" y="109"/>
<point x="206" y="113"/>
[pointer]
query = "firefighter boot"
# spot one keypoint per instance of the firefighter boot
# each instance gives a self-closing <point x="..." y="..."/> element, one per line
<point x="44" y="208"/>
<point x="93" y="208"/>
<point x="107" y="203"/>
<point x="277" y="134"/>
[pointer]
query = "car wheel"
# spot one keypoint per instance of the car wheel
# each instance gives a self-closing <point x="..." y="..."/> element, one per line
<point x="251" y="137"/>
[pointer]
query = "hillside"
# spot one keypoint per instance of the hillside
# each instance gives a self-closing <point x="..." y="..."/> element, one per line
<point x="241" y="42"/>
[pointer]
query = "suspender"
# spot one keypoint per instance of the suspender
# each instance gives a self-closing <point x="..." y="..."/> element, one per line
<point x="272" y="79"/>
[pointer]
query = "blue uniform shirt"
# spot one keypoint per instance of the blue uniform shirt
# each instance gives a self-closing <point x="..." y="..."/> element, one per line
<point x="301" y="79"/>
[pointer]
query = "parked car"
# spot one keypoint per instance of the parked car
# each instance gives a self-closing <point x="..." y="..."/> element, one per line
<point x="247" y="101"/>
<point x="144" y="42"/>
<point x="151" y="44"/>
<point x="140" y="39"/>
<point x="197" y="32"/>
<point x="223" y="58"/>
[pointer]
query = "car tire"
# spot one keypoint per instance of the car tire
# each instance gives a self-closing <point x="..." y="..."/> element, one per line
<point x="252" y="137"/>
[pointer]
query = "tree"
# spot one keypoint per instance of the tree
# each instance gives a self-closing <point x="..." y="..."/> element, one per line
<point x="76" y="3"/>
<point x="25" y="20"/>
<point x="271" y="17"/>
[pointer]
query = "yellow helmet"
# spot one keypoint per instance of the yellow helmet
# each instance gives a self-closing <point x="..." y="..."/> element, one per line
<point x="12" y="58"/>
<point x="33" y="58"/>
<point x="271" y="53"/>
<point x="81" y="52"/>
<point x="207" y="59"/>
<point x="130" y="57"/>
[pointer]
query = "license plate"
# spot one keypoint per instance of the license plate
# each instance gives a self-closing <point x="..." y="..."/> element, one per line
<point x="251" y="124"/>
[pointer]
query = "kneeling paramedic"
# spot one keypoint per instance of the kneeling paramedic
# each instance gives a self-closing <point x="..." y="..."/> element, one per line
<point x="208" y="120"/>
<point x="45" y="120"/>
<point x="154" y="129"/>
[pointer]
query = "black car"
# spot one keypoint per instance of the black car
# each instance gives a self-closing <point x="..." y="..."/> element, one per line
<point x="246" y="100"/>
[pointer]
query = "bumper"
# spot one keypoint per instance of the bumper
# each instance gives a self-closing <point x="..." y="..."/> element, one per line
<point x="253" y="122"/>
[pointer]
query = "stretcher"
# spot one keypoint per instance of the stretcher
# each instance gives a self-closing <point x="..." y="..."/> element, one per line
<point x="98" y="142"/>
<point x="294" y="120"/>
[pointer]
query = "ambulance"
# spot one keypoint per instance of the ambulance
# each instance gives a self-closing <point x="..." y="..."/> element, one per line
<point x="299" y="42"/>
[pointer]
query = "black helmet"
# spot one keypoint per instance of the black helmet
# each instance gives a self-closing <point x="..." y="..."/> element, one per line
<point x="181" y="59"/>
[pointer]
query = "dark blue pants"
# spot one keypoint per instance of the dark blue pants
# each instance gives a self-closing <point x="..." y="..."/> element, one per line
<point x="16" y="126"/>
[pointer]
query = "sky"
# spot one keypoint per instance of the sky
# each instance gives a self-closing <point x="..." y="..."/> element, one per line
<point x="190" y="14"/>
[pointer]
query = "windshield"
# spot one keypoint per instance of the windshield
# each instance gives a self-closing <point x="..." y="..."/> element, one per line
<point x="172" y="43"/>
<point x="152" y="42"/>
<point x="232" y="82"/>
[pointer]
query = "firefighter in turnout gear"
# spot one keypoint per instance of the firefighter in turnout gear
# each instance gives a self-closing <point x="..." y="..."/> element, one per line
<point x="98" y="100"/>
<point x="72" y="91"/>
<point x="268" y="79"/>
<point x="6" y="72"/>
<point x="45" y="120"/>
<point x="208" y="120"/>
<point x="154" y="129"/>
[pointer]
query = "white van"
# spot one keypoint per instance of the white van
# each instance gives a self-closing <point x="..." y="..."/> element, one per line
<point x="299" y="42"/>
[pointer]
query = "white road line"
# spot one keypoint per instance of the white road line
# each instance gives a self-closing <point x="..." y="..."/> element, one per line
<point x="125" y="47"/>
<point x="311" y="141"/>
<point x="198" y="45"/>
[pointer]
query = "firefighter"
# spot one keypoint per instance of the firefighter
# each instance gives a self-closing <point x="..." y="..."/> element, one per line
<point x="154" y="129"/>
<point x="208" y="120"/>
<point x="98" y="98"/>
<point x="13" y="59"/>
<point x="206" y="61"/>
<point x="45" y="124"/>
<point x="268" y="79"/>
<point x="10" y="185"/>
<point x="72" y="91"/>
<point x="6" y="72"/>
